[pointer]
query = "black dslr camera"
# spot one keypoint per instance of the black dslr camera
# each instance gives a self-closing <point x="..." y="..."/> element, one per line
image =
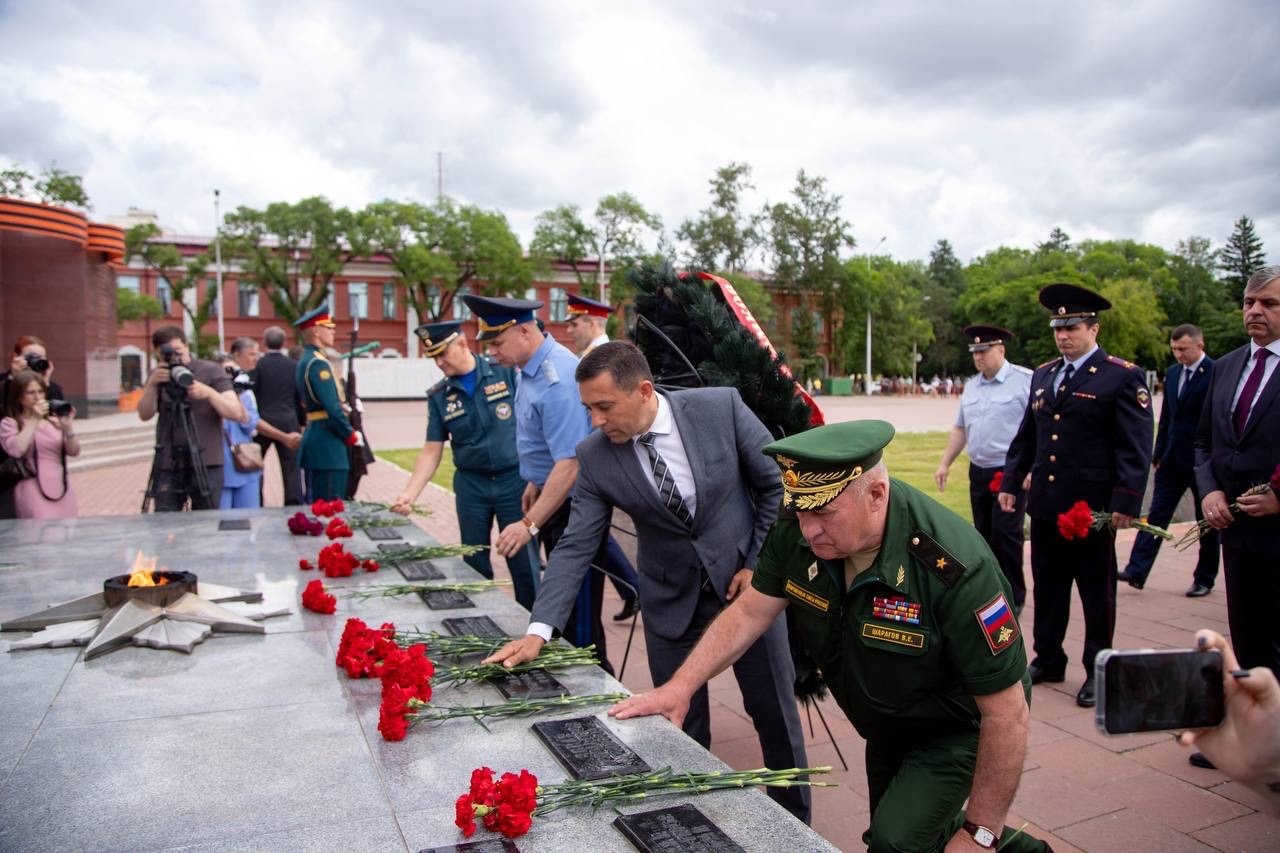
<point x="59" y="408"/>
<point x="38" y="363"/>
<point x="179" y="374"/>
<point x="239" y="378"/>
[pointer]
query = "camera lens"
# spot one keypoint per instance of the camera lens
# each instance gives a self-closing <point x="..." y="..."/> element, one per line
<point x="181" y="375"/>
<point x="59" y="408"/>
<point x="38" y="363"/>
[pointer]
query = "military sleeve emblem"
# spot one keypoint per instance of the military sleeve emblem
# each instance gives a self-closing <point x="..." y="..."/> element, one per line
<point x="998" y="624"/>
<point x="1144" y="398"/>
<point x="324" y="374"/>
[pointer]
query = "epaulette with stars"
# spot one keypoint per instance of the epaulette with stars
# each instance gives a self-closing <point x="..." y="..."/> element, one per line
<point x="1120" y="362"/>
<point x="1047" y="363"/>
<point x="938" y="560"/>
<point x="438" y="386"/>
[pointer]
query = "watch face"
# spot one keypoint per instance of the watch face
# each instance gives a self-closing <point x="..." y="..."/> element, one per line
<point x="985" y="837"/>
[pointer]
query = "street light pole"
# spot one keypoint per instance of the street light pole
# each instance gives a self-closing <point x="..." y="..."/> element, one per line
<point x="867" y="381"/>
<point x="217" y="266"/>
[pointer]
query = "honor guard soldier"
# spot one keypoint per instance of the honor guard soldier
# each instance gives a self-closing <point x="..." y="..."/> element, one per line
<point x="323" y="454"/>
<point x="473" y="408"/>
<point x="1086" y="436"/>
<point x="905" y="610"/>
<point x="991" y="408"/>
<point x="550" y="421"/>
<point x="587" y="320"/>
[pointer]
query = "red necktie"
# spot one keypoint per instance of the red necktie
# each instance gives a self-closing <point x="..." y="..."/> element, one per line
<point x="1250" y="390"/>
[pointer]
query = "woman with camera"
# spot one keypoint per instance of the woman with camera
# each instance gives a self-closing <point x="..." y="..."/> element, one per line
<point x="242" y="457"/>
<point x="28" y="354"/>
<point x="39" y="441"/>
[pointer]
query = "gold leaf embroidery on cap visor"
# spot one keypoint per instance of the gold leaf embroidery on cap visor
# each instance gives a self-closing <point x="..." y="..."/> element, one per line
<point x="812" y="489"/>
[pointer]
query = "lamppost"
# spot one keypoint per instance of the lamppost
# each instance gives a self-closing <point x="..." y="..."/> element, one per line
<point x="867" y="380"/>
<point x="217" y="268"/>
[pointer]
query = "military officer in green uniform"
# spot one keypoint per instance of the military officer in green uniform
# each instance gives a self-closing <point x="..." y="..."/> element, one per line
<point x="907" y="613"/>
<point x="323" y="455"/>
<point x="473" y="408"/>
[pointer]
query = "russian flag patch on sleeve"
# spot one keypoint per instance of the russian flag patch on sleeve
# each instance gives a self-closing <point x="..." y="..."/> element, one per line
<point x="998" y="623"/>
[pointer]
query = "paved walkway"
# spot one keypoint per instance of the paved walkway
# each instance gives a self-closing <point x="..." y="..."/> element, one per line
<point x="1079" y="790"/>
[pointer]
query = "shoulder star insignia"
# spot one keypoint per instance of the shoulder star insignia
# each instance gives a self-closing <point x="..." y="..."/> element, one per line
<point x="942" y="562"/>
<point x="1093" y="369"/>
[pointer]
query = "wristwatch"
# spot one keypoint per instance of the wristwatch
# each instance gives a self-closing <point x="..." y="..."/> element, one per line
<point x="982" y="836"/>
<point x="528" y="523"/>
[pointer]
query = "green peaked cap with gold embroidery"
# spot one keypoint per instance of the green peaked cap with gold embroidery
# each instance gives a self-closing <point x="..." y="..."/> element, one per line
<point x="818" y="464"/>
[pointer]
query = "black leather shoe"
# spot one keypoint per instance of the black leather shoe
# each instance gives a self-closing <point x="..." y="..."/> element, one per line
<point x="629" y="609"/>
<point x="1197" y="759"/>
<point x="1085" y="698"/>
<point x="1198" y="590"/>
<point x="1039" y="674"/>
<point x="1132" y="580"/>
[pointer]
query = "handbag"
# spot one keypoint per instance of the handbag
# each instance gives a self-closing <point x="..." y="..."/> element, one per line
<point x="246" y="457"/>
<point x="13" y="470"/>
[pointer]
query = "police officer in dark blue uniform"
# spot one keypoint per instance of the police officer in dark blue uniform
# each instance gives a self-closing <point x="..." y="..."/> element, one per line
<point x="323" y="454"/>
<point x="1086" y="436"/>
<point x="473" y="408"/>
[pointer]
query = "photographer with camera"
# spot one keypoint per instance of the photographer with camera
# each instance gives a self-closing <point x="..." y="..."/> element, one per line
<point x="241" y="456"/>
<point x="28" y="354"/>
<point x="191" y="396"/>
<point x="38" y="435"/>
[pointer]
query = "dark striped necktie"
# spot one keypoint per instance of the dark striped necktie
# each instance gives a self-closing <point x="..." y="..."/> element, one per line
<point x="1066" y="377"/>
<point x="667" y="489"/>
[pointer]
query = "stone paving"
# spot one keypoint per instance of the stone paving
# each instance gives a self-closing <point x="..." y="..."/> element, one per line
<point x="1080" y="790"/>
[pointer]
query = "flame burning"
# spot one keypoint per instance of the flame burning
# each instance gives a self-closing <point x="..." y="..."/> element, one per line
<point x="143" y="572"/>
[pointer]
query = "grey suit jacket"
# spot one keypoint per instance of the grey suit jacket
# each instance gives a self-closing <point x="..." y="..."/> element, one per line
<point x="739" y="490"/>
<point x="1236" y="464"/>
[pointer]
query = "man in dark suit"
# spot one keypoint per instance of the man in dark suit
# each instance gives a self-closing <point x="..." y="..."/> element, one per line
<point x="687" y="467"/>
<point x="1185" y="386"/>
<point x="280" y="426"/>
<point x="1086" y="436"/>
<point x="1237" y="449"/>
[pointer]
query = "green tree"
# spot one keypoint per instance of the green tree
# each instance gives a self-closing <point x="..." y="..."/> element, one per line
<point x="182" y="275"/>
<point x="949" y="353"/>
<point x="722" y="236"/>
<point x="58" y="187"/>
<point x="1241" y="258"/>
<point x="804" y="344"/>
<point x="615" y="240"/>
<point x="291" y="252"/>
<point x="13" y="181"/>
<point x="441" y="251"/>
<point x="805" y="239"/>
<point x="131" y="305"/>
<point x="1134" y="328"/>
<point x="1058" y="242"/>
<point x="560" y="234"/>
<point x="892" y="292"/>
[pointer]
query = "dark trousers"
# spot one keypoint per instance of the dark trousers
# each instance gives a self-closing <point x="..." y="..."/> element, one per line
<point x="1253" y="588"/>
<point x="917" y="790"/>
<point x="480" y="497"/>
<point x="1002" y="530"/>
<point x="175" y="486"/>
<point x="585" y="625"/>
<point x="621" y="573"/>
<point x="325" y="483"/>
<point x="765" y="675"/>
<point x="1055" y="564"/>
<point x="289" y="470"/>
<point x="1171" y="483"/>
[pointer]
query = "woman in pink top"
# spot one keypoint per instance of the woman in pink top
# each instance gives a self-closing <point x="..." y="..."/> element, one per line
<point x="27" y="431"/>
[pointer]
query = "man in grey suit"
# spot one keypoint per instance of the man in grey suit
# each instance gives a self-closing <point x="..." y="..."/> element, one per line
<point x="687" y="467"/>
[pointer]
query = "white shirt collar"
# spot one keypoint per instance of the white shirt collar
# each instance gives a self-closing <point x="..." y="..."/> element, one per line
<point x="662" y="420"/>
<point x="1273" y="347"/>
<point x="1196" y="365"/>
<point x="1001" y="375"/>
<point x="1079" y="362"/>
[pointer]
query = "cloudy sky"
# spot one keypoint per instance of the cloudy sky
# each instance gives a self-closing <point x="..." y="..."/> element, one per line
<point x="984" y="123"/>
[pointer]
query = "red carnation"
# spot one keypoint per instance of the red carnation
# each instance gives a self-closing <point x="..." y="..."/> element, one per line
<point x="994" y="485"/>
<point x="305" y="565"/>
<point x="337" y="529"/>
<point x="300" y="525"/>
<point x="393" y="714"/>
<point x="1076" y="522"/>
<point x="371" y="565"/>
<point x="465" y="815"/>
<point x="315" y="598"/>
<point x="505" y="807"/>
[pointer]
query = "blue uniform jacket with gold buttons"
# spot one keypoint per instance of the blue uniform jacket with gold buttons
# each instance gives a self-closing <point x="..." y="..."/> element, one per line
<point x="1089" y="441"/>
<point x="480" y="427"/>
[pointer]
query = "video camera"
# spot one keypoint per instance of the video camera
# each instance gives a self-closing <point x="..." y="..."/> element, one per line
<point x="179" y="374"/>
<point x="38" y="363"/>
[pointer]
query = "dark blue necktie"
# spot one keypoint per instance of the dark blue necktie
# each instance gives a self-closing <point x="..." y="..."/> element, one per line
<point x="667" y="489"/>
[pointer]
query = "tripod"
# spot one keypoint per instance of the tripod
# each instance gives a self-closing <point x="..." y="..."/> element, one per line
<point x="178" y="407"/>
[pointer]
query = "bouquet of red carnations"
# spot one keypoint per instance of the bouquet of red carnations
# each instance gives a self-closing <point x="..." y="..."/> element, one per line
<point x="1077" y="522"/>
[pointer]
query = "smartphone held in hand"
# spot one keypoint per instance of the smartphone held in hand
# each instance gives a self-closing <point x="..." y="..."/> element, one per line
<point x="1148" y="690"/>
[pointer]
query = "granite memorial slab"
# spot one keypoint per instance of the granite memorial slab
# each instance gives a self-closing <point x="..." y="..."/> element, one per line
<point x="381" y="534"/>
<point x="234" y="524"/>
<point x="445" y="599"/>
<point x="587" y="749"/>
<point x="419" y="570"/>
<point x="474" y="626"/>
<point x="676" y="829"/>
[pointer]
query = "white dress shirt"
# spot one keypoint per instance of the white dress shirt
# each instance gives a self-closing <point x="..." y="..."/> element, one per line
<point x="1268" y="370"/>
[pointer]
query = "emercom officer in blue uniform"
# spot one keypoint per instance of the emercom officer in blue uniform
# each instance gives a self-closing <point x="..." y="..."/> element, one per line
<point x="473" y="408"/>
<point x="990" y="410"/>
<point x="550" y="421"/>
<point x="1085" y="436"/>
<point x="323" y="454"/>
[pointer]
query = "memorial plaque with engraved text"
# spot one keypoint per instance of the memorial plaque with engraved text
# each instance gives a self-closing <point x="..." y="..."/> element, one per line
<point x="382" y="533"/>
<point x="474" y="626"/>
<point x="234" y="524"/>
<point x="420" y="570"/>
<point x="445" y="599"/>
<point x="678" y="829"/>
<point x="537" y="684"/>
<point x="488" y="845"/>
<point x="587" y="749"/>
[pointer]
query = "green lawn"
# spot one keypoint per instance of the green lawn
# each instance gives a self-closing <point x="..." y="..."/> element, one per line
<point x="913" y="457"/>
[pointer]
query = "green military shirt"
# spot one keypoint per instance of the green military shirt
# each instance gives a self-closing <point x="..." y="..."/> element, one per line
<point x="916" y="635"/>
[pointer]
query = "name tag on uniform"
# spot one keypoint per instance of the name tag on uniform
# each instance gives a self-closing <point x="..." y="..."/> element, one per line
<point x="805" y="596"/>
<point x="898" y="636"/>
